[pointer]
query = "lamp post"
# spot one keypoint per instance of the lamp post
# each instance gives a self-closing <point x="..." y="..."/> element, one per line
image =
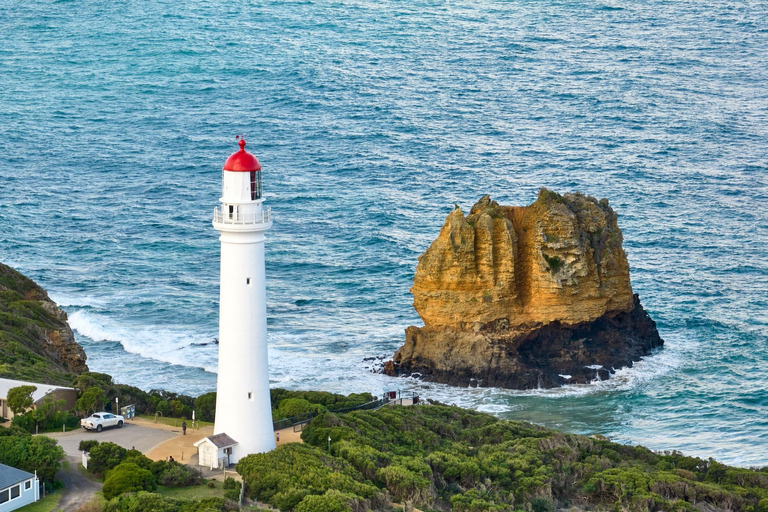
<point x="117" y="405"/>
<point x="329" y="444"/>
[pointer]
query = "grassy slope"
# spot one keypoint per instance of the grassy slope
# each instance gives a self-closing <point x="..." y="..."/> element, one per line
<point x="23" y="323"/>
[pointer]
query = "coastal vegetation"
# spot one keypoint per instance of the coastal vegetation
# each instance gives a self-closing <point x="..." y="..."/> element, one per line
<point x="447" y="458"/>
<point x="289" y="404"/>
<point x="36" y="343"/>
<point x="30" y="453"/>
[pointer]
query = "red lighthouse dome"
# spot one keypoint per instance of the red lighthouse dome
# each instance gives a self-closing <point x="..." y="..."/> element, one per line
<point x="242" y="161"/>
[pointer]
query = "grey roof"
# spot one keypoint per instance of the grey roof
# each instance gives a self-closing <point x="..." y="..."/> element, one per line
<point x="222" y="440"/>
<point x="10" y="476"/>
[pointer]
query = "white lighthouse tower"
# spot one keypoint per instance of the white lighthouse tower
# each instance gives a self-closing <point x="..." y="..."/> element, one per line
<point x="243" y="409"/>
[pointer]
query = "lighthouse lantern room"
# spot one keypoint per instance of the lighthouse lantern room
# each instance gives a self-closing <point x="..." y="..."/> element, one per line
<point x="243" y="409"/>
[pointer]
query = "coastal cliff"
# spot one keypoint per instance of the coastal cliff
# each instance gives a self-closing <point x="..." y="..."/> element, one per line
<point x="526" y="297"/>
<point x="36" y="342"/>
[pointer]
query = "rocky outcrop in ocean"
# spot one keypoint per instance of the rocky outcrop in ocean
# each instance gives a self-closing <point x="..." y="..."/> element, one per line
<point x="526" y="297"/>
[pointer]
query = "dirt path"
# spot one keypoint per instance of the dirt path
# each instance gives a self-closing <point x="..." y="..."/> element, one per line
<point x="78" y="488"/>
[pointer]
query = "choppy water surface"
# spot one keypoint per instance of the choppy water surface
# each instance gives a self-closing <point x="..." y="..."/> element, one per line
<point x="371" y="120"/>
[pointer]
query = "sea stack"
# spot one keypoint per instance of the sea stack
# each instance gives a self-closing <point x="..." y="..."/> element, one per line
<point x="243" y="409"/>
<point x="526" y="297"/>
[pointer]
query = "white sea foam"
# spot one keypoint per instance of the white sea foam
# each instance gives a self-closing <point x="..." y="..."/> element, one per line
<point x="169" y="344"/>
<point x="68" y="300"/>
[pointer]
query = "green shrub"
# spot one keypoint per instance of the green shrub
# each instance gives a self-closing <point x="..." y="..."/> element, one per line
<point x="232" y="494"/>
<point x="127" y="477"/>
<point x="232" y="487"/>
<point x="540" y="505"/>
<point x="181" y="475"/>
<point x="150" y="502"/>
<point x="291" y="407"/>
<point x="104" y="457"/>
<point x="331" y="501"/>
<point x="555" y="263"/>
<point x="286" y="475"/>
<point x="32" y="453"/>
<point x="86" y="445"/>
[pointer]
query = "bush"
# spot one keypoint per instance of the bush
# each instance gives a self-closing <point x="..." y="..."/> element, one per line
<point x="286" y="475"/>
<point x="86" y="445"/>
<point x="127" y="477"/>
<point x="38" y="420"/>
<point x="540" y="505"/>
<point x="104" y="457"/>
<point x="232" y="494"/>
<point x="150" y="502"/>
<point x="180" y="475"/>
<point x="232" y="487"/>
<point x="331" y="501"/>
<point x="294" y="407"/>
<point x="32" y="453"/>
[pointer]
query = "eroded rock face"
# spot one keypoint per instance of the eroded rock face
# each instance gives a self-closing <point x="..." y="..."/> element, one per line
<point x="526" y="297"/>
<point x="33" y="325"/>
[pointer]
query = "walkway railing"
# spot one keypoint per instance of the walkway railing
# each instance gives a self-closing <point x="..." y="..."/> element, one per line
<point x="242" y="218"/>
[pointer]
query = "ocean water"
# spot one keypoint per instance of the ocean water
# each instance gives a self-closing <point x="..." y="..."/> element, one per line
<point x="372" y="119"/>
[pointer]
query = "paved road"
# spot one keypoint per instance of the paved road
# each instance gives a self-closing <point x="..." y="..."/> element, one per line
<point x="130" y="436"/>
<point x="78" y="488"/>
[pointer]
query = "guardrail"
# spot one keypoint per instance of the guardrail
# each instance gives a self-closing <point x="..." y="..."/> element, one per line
<point x="240" y="218"/>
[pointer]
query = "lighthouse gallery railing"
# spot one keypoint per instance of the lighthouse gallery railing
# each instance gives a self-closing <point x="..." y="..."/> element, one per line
<point x="242" y="218"/>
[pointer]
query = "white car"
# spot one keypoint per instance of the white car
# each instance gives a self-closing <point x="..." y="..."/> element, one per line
<point x="99" y="420"/>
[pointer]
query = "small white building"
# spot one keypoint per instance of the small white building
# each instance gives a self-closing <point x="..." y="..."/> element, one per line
<point x="215" y="451"/>
<point x="17" y="488"/>
<point x="69" y="395"/>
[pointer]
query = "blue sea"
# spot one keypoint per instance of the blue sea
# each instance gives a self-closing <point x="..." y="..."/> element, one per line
<point x="371" y="120"/>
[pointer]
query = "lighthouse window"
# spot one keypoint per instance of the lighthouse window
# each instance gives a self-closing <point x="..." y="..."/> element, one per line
<point x="255" y="185"/>
<point x="249" y="395"/>
<point x="248" y="280"/>
<point x="231" y="211"/>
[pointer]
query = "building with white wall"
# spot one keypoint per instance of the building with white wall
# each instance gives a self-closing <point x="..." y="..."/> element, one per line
<point x="69" y="395"/>
<point x="215" y="451"/>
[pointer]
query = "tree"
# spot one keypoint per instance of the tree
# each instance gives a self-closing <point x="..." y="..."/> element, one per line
<point x="90" y="379"/>
<point x="205" y="405"/>
<point x="20" y="398"/>
<point x="32" y="453"/>
<point x="127" y="477"/>
<point x="92" y="400"/>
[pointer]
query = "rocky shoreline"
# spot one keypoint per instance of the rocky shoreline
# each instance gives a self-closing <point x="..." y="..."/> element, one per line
<point x="547" y="356"/>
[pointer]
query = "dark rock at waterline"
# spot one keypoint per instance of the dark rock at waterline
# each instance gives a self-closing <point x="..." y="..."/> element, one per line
<point x="545" y="356"/>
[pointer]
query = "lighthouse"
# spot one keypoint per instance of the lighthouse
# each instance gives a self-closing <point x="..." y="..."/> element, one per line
<point x="243" y="409"/>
